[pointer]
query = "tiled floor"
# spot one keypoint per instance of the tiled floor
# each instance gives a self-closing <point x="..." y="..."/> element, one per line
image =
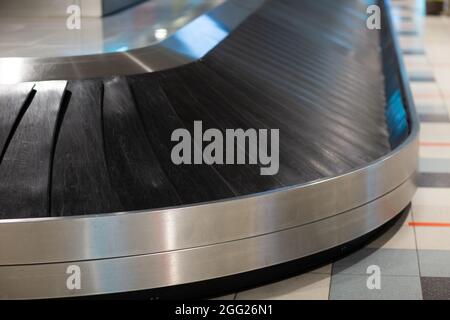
<point x="414" y="255"/>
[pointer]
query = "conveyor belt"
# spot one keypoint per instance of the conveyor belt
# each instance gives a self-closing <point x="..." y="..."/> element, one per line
<point x="95" y="147"/>
<point x="106" y="147"/>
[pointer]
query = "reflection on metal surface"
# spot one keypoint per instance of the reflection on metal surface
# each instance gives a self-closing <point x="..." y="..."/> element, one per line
<point x="142" y="230"/>
<point x="210" y="240"/>
<point x="133" y="28"/>
<point x="122" y="58"/>
<point x="194" y="45"/>
<point x="161" y="34"/>
<point x="11" y="70"/>
<point x="202" y="263"/>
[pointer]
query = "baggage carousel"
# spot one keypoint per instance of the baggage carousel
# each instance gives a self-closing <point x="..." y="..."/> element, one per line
<point x="87" y="179"/>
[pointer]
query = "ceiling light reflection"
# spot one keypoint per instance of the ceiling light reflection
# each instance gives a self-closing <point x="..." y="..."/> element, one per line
<point x="11" y="70"/>
<point x="161" y="34"/>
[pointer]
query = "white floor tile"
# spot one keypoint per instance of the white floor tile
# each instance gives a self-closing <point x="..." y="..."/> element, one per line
<point x="433" y="165"/>
<point x="435" y="132"/>
<point x="431" y="213"/>
<point x="323" y="270"/>
<point x="420" y="61"/>
<point x="431" y="197"/>
<point x="396" y="238"/>
<point x="305" y="287"/>
<point x="433" y="238"/>
<point x="407" y="42"/>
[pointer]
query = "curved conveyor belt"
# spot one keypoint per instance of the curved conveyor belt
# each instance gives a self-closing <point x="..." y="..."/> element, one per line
<point x="86" y="176"/>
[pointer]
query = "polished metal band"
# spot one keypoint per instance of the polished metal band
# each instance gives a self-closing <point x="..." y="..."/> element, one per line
<point x="156" y="231"/>
<point x="151" y="249"/>
<point x="188" y="44"/>
<point x="169" y="268"/>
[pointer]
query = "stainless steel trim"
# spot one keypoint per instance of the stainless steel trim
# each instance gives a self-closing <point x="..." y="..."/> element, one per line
<point x="188" y="44"/>
<point x="123" y="234"/>
<point x="202" y="263"/>
<point x="141" y="250"/>
<point x="134" y="233"/>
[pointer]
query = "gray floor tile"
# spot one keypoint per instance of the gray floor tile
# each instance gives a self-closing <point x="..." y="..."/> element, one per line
<point x="434" y="118"/>
<point x="393" y="262"/>
<point x="433" y="107"/>
<point x="353" y="287"/>
<point x="407" y="18"/>
<point x="421" y="76"/>
<point x="434" y="263"/>
<point x="415" y="51"/>
<point x="435" y="288"/>
<point x="434" y="180"/>
<point x="411" y="33"/>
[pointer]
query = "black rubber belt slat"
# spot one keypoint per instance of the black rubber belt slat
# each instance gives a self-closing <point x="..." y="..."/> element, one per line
<point x="135" y="172"/>
<point x="308" y="68"/>
<point x="26" y="166"/>
<point x="81" y="183"/>
<point x="351" y="133"/>
<point x="193" y="183"/>
<point x="260" y="111"/>
<point x="192" y="103"/>
<point x="269" y="71"/>
<point x="13" y="99"/>
<point x="312" y="38"/>
<point x="240" y="108"/>
<point x="325" y="72"/>
<point x="303" y="119"/>
<point x="328" y="77"/>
